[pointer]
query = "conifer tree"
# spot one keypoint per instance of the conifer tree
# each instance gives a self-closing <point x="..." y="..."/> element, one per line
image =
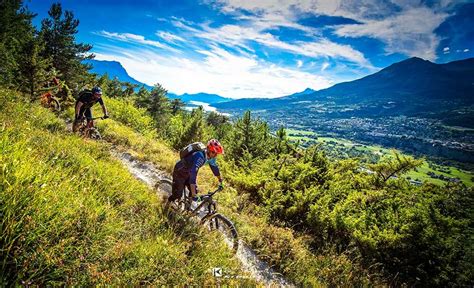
<point x="391" y="167"/>
<point x="114" y="88"/>
<point x="158" y="105"/>
<point x="142" y="98"/>
<point x="250" y="135"/>
<point x="216" y="119"/>
<point x="281" y="141"/>
<point x="195" y="130"/>
<point x="33" y="69"/>
<point x="16" y="32"/>
<point x="58" y="32"/>
<point x="129" y="89"/>
<point x="176" y="106"/>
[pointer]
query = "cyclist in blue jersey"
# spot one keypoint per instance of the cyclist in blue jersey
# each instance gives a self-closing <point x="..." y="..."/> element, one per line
<point x="186" y="170"/>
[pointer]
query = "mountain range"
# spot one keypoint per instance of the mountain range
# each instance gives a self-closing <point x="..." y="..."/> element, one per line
<point x="115" y="69"/>
<point x="414" y="105"/>
<point x="431" y="105"/>
<point x="410" y="87"/>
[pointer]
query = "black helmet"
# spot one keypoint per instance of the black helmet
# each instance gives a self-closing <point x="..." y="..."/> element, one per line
<point x="97" y="90"/>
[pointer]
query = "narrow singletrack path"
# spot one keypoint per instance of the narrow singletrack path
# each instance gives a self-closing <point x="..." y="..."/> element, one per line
<point x="258" y="269"/>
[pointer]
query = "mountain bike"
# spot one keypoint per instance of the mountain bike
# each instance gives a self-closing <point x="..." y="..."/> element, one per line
<point x="86" y="130"/>
<point x="47" y="100"/>
<point x="205" y="211"/>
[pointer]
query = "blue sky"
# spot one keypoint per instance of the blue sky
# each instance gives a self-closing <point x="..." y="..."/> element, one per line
<point x="267" y="48"/>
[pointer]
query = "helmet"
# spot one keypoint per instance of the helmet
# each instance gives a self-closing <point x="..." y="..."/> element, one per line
<point x="214" y="146"/>
<point x="97" y="90"/>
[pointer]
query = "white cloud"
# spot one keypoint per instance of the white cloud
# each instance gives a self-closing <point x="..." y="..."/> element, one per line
<point x="169" y="37"/>
<point x="299" y="63"/>
<point x="445" y="49"/>
<point x="324" y="66"/>
<point x="410" y="31"/>
<point x="466" y="50"/>
<point x="219" y="72"/>
<point x="241" y="36"/>
<point x="135" y="39"/>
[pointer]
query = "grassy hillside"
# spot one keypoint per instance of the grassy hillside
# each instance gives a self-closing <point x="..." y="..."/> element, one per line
<point x="285" y="250"/>
<point x="70" y="214"/>
<point x="81" y="219"/>
<point x="353" y="231"/>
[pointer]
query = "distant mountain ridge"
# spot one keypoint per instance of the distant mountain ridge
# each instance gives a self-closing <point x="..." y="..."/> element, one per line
<point x="115" y="69"/>
<point x="200" y="97"/>
<point x="411" y="86"/>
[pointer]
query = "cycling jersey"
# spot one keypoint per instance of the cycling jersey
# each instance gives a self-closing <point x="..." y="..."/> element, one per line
<point x="196" y="160"/>
<point x="87" y="99"/>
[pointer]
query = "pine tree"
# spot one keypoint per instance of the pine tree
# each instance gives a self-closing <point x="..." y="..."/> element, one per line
<point x="33" y="69"/>
<point x="392" y="167"/>
<point x="58" y="32"/>
<point x="129" y="89"/>
<point x="114" y="88"/>
<point x="177" y="105"/>
<point x="252" y="136"/>
<point x="216" y="119"/>
<point x="143" y="97"/>
<point x="195" y="130"/>
<point x="16" y="32"/>
<point x="158" y="106"/>
<point x="281" y="141"/>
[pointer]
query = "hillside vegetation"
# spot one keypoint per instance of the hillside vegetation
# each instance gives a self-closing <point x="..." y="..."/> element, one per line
<point x="70" y="214"/>
<point x="348" y="226"/>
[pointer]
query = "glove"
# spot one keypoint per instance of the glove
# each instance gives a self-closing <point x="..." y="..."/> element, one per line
<point x="221" y="185"/>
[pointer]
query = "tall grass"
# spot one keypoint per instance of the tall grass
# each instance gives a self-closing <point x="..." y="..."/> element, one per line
<point x="282" y="248"/>
<point x="70" y="214"/>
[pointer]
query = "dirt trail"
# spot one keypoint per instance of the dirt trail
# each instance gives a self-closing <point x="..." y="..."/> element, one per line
<point x="259" y="270"/>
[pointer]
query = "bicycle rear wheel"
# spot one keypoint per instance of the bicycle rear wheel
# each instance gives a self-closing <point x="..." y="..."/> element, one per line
<point x="54" y="105"/>
<point x="225" y="227"/>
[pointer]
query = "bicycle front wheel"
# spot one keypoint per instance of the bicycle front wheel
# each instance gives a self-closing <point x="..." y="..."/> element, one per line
<point x="93" y="133"/>
<point x="225" y="227"/>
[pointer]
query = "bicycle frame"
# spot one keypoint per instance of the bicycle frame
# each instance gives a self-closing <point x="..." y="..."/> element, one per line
<point x="212" y="219"/>
<point x="90" y="121"/>
<point x="207" y="199"/>
<point x="86" y="125"/>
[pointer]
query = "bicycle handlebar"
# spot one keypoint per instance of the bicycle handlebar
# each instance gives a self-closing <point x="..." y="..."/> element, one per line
<point x="96" y="118"/>
<point x="210" y="194"/>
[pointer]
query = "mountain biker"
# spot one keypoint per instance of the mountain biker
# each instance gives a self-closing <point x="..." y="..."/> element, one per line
<point x="83" y="106"/>
<point x="185" y="171"/>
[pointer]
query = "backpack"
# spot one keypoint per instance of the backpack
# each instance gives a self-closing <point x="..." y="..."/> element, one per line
<point x="191" y="148"/>
<point x="85" y="91"/>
